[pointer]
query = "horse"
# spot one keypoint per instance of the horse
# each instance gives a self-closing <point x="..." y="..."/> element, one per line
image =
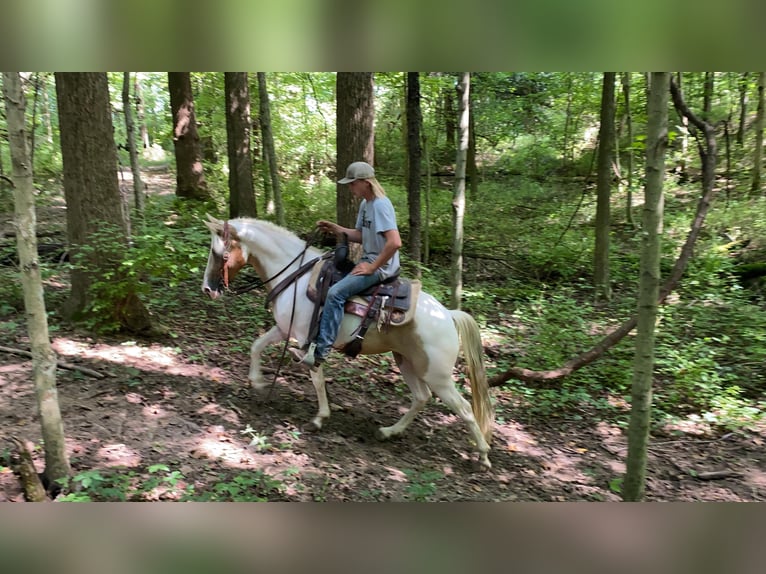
<point x="425" y="349"/>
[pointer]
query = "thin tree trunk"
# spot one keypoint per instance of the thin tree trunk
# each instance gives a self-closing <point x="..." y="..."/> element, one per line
<point x="130" y="130"/>
<point x="43" y="356"/>
<point x="140" y="113"/>
<point x="270" y="153"/>
<point x="742" y="85"/>
<point x="414" y="155"/>
<point x="649" y="280"/>
<point x="629" y="122"/>
<point x="755" y="184"/>
<point x="707" y="102"/>
<point x="601" y="274"/>
<point x="427" y="224"/>
<point x="471" y="168"/>
<point x="241" y="189"/>
<point x="458" y="200"/>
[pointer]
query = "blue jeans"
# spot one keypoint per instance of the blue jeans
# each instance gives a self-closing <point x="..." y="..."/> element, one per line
<point x="332" y="315"/>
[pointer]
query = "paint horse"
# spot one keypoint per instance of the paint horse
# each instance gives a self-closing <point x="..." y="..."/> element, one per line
<point x="425" y="348"/>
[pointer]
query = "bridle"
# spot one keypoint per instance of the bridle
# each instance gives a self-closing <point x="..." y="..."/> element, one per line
<point x="258" y="282"/>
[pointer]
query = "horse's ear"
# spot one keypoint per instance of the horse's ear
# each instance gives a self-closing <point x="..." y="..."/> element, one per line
<point x="215" y="226"/>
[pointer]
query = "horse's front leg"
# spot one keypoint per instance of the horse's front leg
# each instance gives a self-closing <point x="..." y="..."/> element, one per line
<point x="317" y="377"/>
<point x="274" y="335"/>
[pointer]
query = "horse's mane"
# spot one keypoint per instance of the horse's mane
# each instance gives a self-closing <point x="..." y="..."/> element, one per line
<point x="249" y="229"/>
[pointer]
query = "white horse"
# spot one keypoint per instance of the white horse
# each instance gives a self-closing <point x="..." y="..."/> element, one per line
<point x="425" y="349"/>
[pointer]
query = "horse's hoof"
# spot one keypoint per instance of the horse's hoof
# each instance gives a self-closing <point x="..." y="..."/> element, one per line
<point x="482" y="465"/>
<point x="311" y="427"/>
<point x="380" y="435"/>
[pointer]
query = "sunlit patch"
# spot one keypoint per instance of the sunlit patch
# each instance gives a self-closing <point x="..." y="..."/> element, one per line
<point x="154" y="412"/>
<point x="118" y="454"/>
<point x="156" y="358"/>
<point x="517" y="440"/>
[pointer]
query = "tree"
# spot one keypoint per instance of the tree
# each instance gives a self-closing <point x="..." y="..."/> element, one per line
<point x="97" y="224"/>
<point x="649" y="281"/>
<point x="190" y="176"/>
<point x="140" y="114"/>
<point x="355" y="139"/>
<point x="629" y="123"/>
<point x="414" y="120"/>
<point x="755" y="183"/>
<point x="43" y="356"/>
<point x="138" y="185"/>
<point x="606" y="138"/>
<point x="458" y="199"/>
<point x="269" y="153"/>
<point x="241" y="189"/>
<point x="742" y="86"/>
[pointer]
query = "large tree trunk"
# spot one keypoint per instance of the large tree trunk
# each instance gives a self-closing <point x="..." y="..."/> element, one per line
<point x="458" y="199"/>
<point x="755" y="184"/>
<point x="269" y="153"/>
<point x="601" y="275"/>
<point x="241" y="189"/>
<point x="190" y="176"/>
<point x="138" y="185"/>
<point x="414" y="120"/>
<point x="43" y="356"/>
<point x="97" y="224"/>
<point x="649" y="280"/>
<point x="355" y="134"/>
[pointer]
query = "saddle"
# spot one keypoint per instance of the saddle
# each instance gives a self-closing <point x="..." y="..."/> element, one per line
<point x="391" y="302"/>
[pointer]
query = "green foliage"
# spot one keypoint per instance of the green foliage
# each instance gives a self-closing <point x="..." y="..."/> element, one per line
<point x="422" y="485"/>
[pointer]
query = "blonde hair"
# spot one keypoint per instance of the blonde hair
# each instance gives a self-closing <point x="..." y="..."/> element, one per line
<point x="377" y="189"/>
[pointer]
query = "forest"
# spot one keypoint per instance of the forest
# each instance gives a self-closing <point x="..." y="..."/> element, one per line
<point x="605" y="230"/>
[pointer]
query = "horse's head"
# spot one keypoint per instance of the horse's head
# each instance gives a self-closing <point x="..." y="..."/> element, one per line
<point x="226" y="258"/>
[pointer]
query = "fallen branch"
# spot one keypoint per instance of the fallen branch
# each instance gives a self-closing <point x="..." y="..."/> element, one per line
<point x="716" y="474"/>
<point x="60" y="364"/>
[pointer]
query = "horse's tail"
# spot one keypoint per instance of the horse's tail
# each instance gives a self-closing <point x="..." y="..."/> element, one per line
<point x="470" y="338"/>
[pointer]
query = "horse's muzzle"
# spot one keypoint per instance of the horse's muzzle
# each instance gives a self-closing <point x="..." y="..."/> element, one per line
<point x="212" y="293"/>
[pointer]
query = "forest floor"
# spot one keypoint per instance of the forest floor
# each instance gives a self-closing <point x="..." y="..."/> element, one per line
<point x="179" y="410"/>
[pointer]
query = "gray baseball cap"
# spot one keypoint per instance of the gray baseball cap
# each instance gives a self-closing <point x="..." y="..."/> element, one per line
<point x="358" y="170"/>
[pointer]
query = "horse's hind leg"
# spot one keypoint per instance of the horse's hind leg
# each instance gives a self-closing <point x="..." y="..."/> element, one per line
<point x="420" y="396"/>
<point x="317" y="378"/>
<point x="446" y="391"/>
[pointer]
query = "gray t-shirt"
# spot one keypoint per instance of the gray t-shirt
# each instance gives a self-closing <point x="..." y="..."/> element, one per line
<point x="375" y="217"/>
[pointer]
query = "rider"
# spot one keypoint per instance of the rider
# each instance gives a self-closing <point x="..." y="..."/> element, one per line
<point x="376" y="230"/>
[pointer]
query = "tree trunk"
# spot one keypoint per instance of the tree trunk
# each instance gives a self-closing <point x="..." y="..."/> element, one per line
<point x="649" y="280"/>
<point x="755" y="184"/>
<point x="742" y="86"/>
<point x="138" y="185"/>
<point x="427" y="225"/>
<point x="450" y="128"/>
<point x="355" y="134"/>
<point x="269" y="153"/>
<point x="97" y="224"/>
<point x="414" y="120"/>
<point x="458" y="200"/>
<point x="190" y="176"/>
<point x="472" y="171"/>
<point x="241" y="189"/>
<point x="140" y="114"/>
<point x="43" y="356"/>
<point x="601" y="275"/>
<point x="629" y="123"/>
<point x="707" y="98"/>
